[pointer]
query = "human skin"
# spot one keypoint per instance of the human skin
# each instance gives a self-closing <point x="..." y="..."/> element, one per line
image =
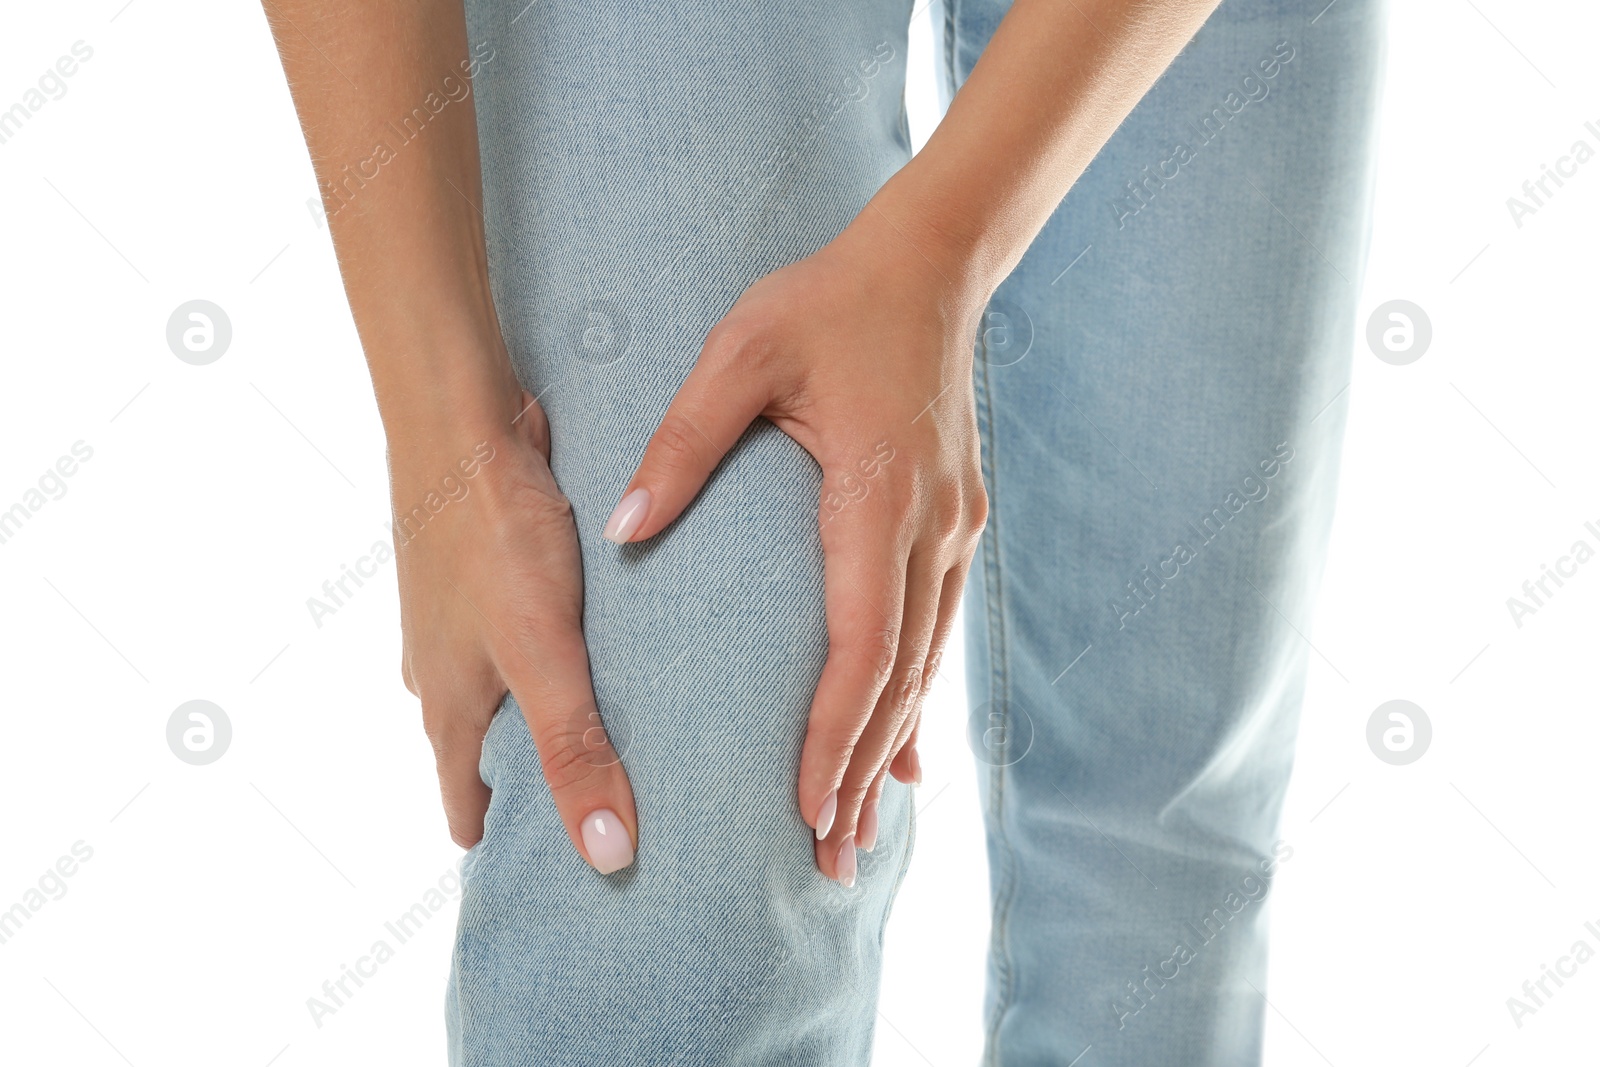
<point x="868" y="340"/>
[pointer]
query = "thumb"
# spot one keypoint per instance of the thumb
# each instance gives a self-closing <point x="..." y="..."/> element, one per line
<point x="717" y="402"/>
<point x="580" y="764"/>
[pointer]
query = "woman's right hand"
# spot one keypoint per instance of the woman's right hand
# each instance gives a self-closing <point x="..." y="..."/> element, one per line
<point x="491" y="599"/>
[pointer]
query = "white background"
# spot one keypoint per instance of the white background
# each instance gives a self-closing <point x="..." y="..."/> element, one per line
<point x="217" y="499"/>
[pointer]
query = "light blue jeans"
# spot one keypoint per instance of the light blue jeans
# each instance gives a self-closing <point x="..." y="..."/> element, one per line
<point x="1159" y="387"/>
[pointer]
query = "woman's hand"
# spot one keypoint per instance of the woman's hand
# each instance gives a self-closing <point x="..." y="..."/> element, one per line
<point x="491" y="599"/>
<point x="863" y="354"/>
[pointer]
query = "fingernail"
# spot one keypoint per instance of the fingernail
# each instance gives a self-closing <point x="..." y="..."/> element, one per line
<point x="867" y="827"/>
<point x="825" y="814"/>
<point x="846" y="864"/>
<point x="916" y="767"/>
<point x="607" y="842"/>
<point x="629" y="516"/>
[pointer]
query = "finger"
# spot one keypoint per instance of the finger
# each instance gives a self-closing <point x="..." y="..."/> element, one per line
<point x="924" y="580"/>
<point x="864" y="594"/>
<point x="717" y="402"/>
<point x="867" y="825"/>
<point x="581" y="765"/>
<point x="906" y="763"/>
<point x="866" y="835"/>
<point x="456" y="733"/>
<point x="906" y="766"/>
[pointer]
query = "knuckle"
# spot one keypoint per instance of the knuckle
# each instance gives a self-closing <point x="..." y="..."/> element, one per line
<point x="743" y="339"/>
<point x="907" y="687"/>
<point x="834" y="749"/>
<point x="434" y="719"/>
<point x="449" y="741"/>
<point x="565" y="764"/>
<point x="454" y="728"/>
<point x="677" y="444"/>
<point x="877" y="648"/>
<point x="727" y="340"/>
<point x="949" y="514"/>
<point x="978" y="512"/>
<point x="834" y="746"/>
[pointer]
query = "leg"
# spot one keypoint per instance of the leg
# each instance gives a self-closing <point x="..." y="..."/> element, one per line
<point x="1161" y="463"/>
<point x="635" y="184"/>
<point x="722" y="944"/>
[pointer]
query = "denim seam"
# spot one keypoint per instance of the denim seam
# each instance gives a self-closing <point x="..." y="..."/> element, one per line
<point x="999" y="689"/>
<point x="950" y="44"/>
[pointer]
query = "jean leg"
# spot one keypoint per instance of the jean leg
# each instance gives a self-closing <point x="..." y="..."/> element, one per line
<point x="643" y="165"/>
<point x="722" y="944"/>
<point x="1160" y="396"/>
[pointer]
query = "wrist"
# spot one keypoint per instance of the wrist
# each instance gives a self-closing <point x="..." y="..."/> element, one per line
<point x="947" y="245"/>
<point x="438" y="397"/>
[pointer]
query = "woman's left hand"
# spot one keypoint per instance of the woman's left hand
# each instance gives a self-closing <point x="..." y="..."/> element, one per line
<point x="863" y="354"/>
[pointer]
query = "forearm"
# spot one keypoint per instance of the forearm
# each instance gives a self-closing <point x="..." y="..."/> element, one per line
<point x="384" y="98"/>
<point x="1054" y="83"/>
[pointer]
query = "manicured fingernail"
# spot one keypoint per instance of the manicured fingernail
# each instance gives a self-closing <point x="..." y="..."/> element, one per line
<point x="606" y="840"/>
<point x="846" y="864"/>
<point x="629" y="516"/>
<point x="916" y="767"/>
<point x="825" y="814"/>
<point x="867" y="826"/>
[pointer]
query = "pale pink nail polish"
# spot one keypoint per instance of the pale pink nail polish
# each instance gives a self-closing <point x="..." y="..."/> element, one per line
<point x="916" y="767"/>
<point x="825" y="814"/>
<point x="846" y="864"/>
<point x="867" y="826"/>
<point x="629" y="516"/>
<point x="606" y="840"/>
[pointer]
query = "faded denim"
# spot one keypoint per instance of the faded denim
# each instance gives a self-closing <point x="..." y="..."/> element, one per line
<point x="1157" y="373"/>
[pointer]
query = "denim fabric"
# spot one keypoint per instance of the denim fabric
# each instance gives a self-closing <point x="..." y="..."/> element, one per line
<point x="643" y="164"/>
<point x="1161" y="465"/>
